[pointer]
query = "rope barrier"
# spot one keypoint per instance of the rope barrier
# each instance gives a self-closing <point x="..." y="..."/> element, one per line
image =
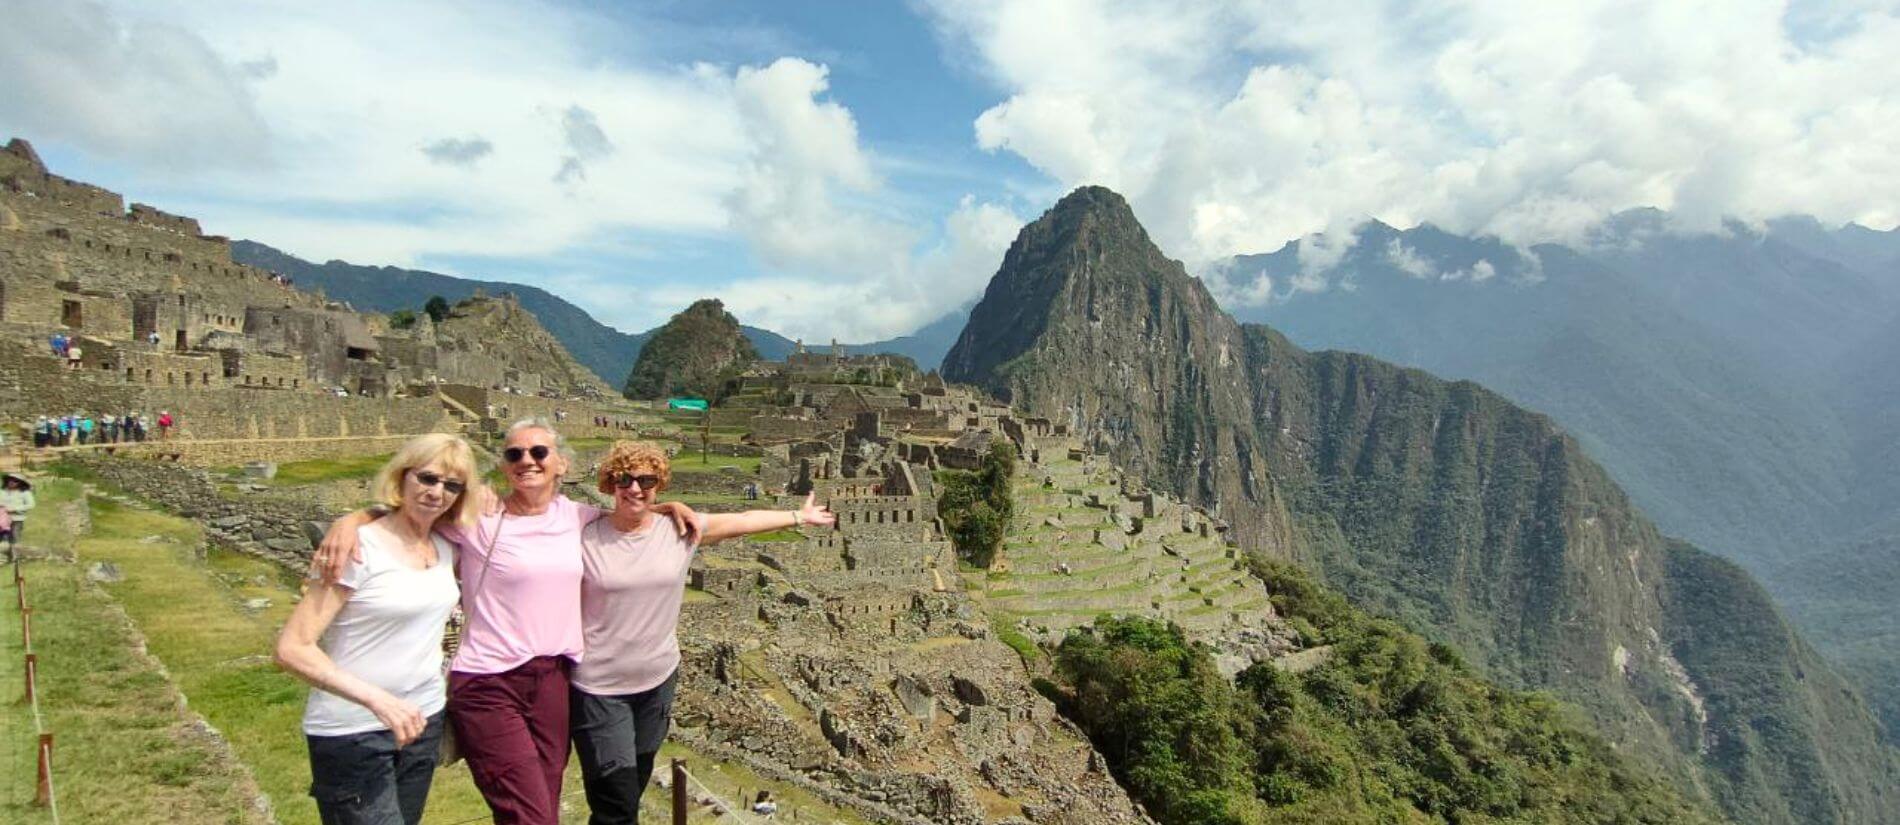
<point x="731" y="811"/>
<point x="45" y="792"/>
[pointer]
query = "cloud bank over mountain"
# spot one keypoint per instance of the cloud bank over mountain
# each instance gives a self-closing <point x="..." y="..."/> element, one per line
<point x="1236" y="127"/>
<point x="638" y="157"/>
<point x="457" y="131"/>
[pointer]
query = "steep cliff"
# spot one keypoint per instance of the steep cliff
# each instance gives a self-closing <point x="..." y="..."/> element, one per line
<point x="1435" y="502"/>
<point x="693" y="354"/>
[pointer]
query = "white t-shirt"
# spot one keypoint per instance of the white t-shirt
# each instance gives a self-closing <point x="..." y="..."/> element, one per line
<point x="389" y="633"/>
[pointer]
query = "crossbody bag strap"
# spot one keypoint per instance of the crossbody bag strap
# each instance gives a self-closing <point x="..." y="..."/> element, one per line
<point x="488" y="562"/>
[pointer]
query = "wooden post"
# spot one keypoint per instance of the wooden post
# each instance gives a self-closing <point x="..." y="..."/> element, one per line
<point x="26" y="628"/>
<point x="44" y="795"/>
<point x="679" y="792"/>
<point x="32" y="676"/>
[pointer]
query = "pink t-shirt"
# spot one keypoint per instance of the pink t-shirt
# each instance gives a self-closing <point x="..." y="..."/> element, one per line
<point x="528" y="605"/>
<point x="630" y="605"/>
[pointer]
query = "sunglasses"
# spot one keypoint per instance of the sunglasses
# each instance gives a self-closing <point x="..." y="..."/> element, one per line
<point x="449" y="485"/>
<point x="646" y="482"/>
<point x="513" y="455"/>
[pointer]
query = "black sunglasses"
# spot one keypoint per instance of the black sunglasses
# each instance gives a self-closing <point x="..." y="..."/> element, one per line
<point x="428" y="479"/>
<point x="646" y="482"/>
<point x="513" y="455"/>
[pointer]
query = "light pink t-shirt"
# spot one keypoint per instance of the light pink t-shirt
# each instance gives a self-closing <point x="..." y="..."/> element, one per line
<point x="528" y="605"/>
<point x="630" y="605"/>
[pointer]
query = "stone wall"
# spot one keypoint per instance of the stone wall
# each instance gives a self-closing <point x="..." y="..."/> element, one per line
<point x="229" y="453"/>
<point x="260" y="524"/>
<point x="32" y="385"/>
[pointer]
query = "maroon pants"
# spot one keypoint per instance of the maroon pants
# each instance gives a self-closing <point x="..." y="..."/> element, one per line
<point x="512" y="728"/>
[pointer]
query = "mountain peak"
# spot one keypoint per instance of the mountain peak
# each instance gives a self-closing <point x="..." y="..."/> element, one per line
<point x="1084" y="262"/>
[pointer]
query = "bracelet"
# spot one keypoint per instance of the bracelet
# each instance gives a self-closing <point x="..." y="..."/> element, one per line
<point x="798" y="518"/>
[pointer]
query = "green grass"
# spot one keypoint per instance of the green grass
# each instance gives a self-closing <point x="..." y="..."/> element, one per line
<point x="1007" y="633"/>
<point x="778" y="535"/>
<point x="328" y="469"/>
<point x="689" y="459"/>
<point x="122" y="751"/>
<point x="218" y="653"/>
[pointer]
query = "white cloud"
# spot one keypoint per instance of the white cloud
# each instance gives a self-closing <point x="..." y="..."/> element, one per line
<point x="1407" y="261"/>
<point x="464" y="130"/>
<point x="1235" y="127"/>
<point x="125" y="89"/>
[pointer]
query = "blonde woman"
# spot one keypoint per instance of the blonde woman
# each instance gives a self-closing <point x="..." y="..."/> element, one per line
<point x="633" y="581"/>
<point x="370" y="642"/>
<point x="521" y="585"/>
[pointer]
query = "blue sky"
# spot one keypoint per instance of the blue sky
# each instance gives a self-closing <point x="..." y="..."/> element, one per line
<point x="855" y="169"/>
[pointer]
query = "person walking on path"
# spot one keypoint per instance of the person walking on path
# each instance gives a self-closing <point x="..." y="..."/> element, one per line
<point x="520" y="569"/>
<point x="164" y="425"/>
<point x="634" y="581"/>
<point x="16" y="498"/>
<point x="371" y="643"/>
<point x="73" y="355"/>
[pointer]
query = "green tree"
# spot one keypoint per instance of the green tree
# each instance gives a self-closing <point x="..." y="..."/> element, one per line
<point x="402" y="318"/>
<point x="437" y="308"/>
<point x="976" y="507"/>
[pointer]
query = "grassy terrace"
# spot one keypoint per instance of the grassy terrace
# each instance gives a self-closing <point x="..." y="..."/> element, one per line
<point x="128" y="755"/>
<point x="326" y="469"/>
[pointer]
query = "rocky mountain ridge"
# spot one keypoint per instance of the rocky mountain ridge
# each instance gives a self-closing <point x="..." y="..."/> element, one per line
<point x="1439" y="503"/>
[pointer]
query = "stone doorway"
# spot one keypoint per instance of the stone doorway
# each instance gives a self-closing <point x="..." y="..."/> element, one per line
<point x="71" y="314"/>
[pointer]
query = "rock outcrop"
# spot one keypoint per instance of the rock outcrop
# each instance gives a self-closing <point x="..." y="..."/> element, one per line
<point x="695" y="353"/>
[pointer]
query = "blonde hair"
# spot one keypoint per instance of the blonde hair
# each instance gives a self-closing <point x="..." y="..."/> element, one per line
<point x="631" y="458"/>
<point x="457" y="460"/>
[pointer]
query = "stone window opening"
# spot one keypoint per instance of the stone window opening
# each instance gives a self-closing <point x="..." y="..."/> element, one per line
<point x="128" y="375"/>
<point x="148" y="376"/>
<point x="295" y="383"/>
<point x="71" y="314"/>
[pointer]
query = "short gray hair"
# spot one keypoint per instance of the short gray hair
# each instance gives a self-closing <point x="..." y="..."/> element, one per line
<point x="535" y="423"/>
<point x="541" y="423"/>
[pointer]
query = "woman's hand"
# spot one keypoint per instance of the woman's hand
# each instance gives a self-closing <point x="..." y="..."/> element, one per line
<point x="684" y="519"/>
<point x="403" y="719"/>
<point x="486" y="502"/>
<point x="338" y="547"/>
<point x="816" y="514"/>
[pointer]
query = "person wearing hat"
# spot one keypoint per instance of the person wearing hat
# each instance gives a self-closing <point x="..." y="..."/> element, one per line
<point x="16" y="499"/>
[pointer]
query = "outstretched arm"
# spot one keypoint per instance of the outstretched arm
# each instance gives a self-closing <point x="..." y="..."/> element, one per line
<point x="720" y="526"/>
<point x="298" y="652"/>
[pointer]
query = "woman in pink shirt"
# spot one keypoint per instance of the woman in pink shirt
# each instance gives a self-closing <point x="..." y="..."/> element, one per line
<point x="635" y="578"/>
<point x="520" y="571"/>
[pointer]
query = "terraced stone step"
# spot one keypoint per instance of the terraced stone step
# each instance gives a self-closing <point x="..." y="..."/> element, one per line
<point x="1135" y="570"/>
<point x="1132" y="598"/>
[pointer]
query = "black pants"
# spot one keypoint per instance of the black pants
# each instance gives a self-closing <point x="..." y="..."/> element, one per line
<point x="618" y="738"/>
<point x="364" y="779"/>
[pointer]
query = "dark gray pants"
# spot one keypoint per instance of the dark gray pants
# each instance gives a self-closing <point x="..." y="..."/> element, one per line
<point x="364" y="779"/>
<point x="618" y="738"/>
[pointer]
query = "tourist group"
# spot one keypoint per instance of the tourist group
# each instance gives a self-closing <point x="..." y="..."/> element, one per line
<point x="570" y="615"/>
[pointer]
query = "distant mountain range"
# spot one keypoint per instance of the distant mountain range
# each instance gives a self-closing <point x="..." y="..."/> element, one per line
<point x="1439" y="502"/>
<point x="1741" y="385"/>
<point x="608" y="352"/>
